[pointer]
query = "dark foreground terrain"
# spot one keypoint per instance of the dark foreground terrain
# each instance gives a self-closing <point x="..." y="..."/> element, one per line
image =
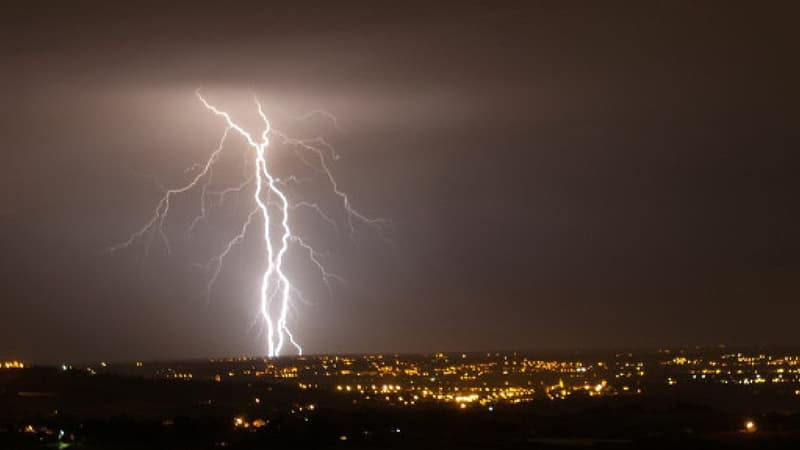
<point x="83" y="408"/>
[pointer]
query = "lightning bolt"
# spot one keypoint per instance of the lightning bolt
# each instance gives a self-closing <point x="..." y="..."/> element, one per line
<point x="271" y="205"/>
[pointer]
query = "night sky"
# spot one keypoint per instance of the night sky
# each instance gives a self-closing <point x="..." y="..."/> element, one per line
<point x="558" y="175"/>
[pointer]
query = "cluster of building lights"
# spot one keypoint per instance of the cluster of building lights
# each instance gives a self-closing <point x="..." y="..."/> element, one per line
<point x="12" y="365"/>
<point x="485" y="379"/>
<point x="243" y="423"/>
<point x="734" y="368"/>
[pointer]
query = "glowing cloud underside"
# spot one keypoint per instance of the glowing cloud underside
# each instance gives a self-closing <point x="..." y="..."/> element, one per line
<point x="272" y="206"/>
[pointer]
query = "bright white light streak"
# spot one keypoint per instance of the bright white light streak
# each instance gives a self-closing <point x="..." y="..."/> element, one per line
<point x="272" y="205"/>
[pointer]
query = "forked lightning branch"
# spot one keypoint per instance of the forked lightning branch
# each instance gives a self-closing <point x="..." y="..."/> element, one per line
<point x="272" y="206"/>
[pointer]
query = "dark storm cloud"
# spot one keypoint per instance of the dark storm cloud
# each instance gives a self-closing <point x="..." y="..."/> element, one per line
<point x="559" y="174"/>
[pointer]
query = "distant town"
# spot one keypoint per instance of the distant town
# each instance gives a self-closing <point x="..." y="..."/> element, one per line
<point x="471" y="379"/>
<point x="58" y="404"/>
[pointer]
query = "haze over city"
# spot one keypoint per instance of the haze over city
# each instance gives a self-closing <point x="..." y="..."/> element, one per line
<point x="556" y="175"/>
